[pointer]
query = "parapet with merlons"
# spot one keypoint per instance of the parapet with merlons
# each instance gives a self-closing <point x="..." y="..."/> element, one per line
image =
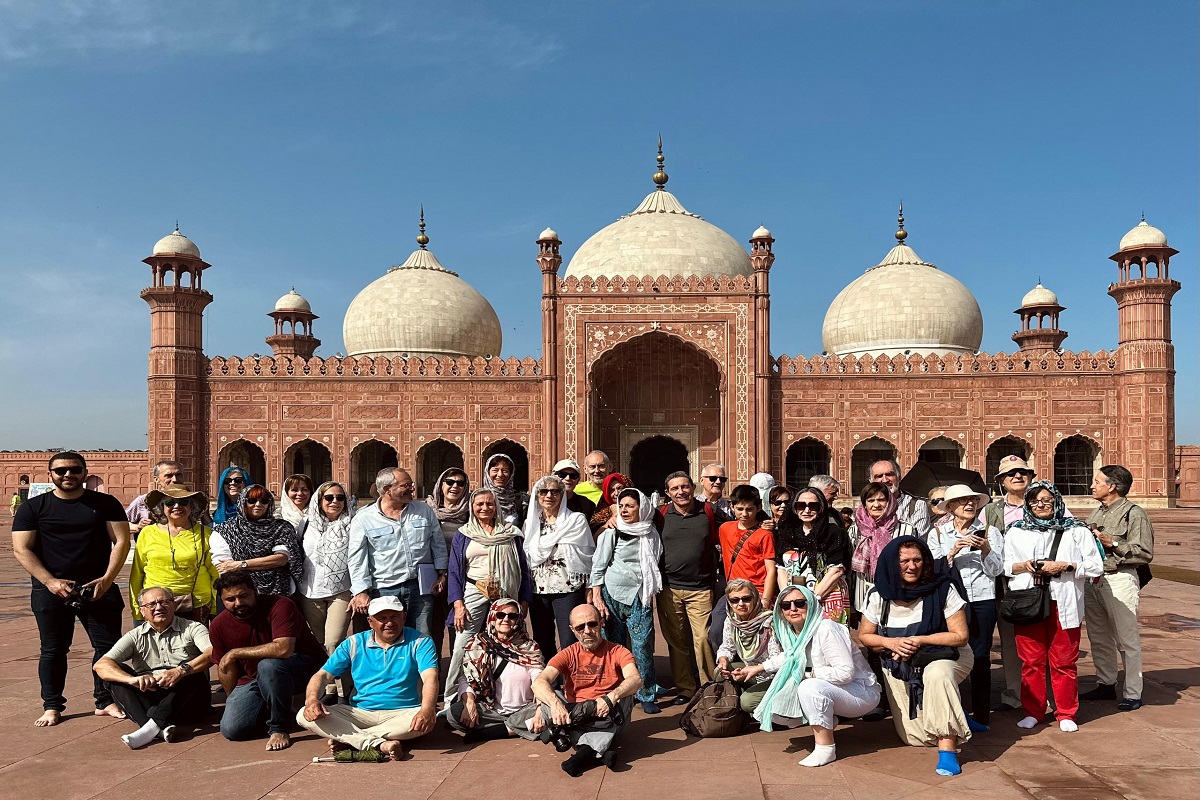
<point x="633" y="284"/>
<point x="1022" y="363"/>
<point x="376" y="367"/>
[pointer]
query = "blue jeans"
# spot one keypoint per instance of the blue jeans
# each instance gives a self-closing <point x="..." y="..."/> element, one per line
<point x="417" y="606"/>
<point x="635" y="623"/>
<point x="270" y="692"/>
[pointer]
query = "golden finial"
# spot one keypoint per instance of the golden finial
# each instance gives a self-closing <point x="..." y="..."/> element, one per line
<point x="901" y="234"/>
<point x="660" y="177"/>
<point x="422" y="239"/>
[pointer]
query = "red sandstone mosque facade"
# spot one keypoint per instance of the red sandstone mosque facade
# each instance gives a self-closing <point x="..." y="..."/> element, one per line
<point x="656" y="349"/>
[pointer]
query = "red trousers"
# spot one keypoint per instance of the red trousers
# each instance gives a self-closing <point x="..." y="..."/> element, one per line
<point x="1038" y="644"/>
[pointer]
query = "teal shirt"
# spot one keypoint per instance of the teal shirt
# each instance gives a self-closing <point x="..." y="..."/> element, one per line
<point x="384" y="680"/>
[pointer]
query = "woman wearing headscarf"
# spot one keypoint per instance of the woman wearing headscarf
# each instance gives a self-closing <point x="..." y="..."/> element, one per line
<point x="449" y="502"/>
<point x="498" y="668"/>
<point x="229" y="488"/>
<point x="875" y="524"/>
<point x="559" y="546"/>
<point x="324" y="591"/>
<point x="1029" y="557"/>
<point x="813" y="552"/>
<point x="625" y="578"/>
<point x="172" y="552"/>
<point x="840" y="684"/>
<point x="916" y="618"/>
<point x="498" y="475"/>
<point x="297" y="492"/>
<point x="606" y="509"/>
<point x="487" y="562"/>
<point x="253" y="539"/>
<point x="747" y="641"/>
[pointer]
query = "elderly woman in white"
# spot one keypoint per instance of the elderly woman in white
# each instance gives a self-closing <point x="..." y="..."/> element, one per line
<point x="559" y="547"/>
<point x="967" y="542"/>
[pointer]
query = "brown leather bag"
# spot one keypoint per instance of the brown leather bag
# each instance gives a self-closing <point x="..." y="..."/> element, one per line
<point x="714" y="711"/>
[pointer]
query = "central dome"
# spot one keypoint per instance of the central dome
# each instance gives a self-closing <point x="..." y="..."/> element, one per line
<point x="903" y="304"/>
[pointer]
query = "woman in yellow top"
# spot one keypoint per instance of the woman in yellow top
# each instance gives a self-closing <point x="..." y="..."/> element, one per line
<point x="173" y="553"/>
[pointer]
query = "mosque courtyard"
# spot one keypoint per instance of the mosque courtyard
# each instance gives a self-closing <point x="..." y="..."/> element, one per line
<point x="1151" y="753"/>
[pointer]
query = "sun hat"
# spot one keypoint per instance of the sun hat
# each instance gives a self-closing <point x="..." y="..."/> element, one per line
<point x="176" y="491"/>
<point x="1010" y="463"/>
<point x="960" y="490"/>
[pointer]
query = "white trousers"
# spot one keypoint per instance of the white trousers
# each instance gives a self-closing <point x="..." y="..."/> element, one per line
<point x="822" y="700"/>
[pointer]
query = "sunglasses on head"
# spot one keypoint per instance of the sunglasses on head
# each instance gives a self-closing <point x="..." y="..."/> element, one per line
<point x="61" y="471"/>
<point x="334" y="498"/>
<point x="501" y="615"/>
<point x="813" y="506"/>
<point x="793" y="605"/>
<point x="590" y="625"/>
<point x="741" y="600"/>
<point x="230" y="481"/>
<point x="455" y="482"/>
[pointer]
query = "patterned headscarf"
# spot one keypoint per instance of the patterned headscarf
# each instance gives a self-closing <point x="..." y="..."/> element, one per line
<point x="254" y="539"/>
<point x="508" y="500"/>
<point x="606" y="488"/>
<point x="753" y="633"/>
<point x="460" y="512"/>
<point x="873" y="535"/>
<point x="333" y="545"/>
<point x="482" y="650"/>
<point x="1059" y="520"/>
<point x="224" y="509"/>
<point x="504" y="560"/>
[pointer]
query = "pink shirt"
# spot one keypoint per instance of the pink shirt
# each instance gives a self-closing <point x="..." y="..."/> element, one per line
<point x="514" y="687"/>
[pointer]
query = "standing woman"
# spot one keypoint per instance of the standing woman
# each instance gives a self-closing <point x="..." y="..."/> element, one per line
<point x="939" y="514"/>
<point x="625" y="578"/>
<point x="324" y="591"/>
<point x="172" y="552"/>
<point x="252" y="539"/>
<point x="487" y="562"/>
<point x="498" y="476"/>
<point x="229" y="490"/>
<point x="606" y="509"/>
<point x="297" y="492"/>
<point x="976" y="549"/>
<point x="560" y="546"/>
<point x="813" y="552"/>
<point x="449" y="502"/>
<point x="779" y="500"/>
<point x="1029" y="556"/>
<point x="875" y="525"/>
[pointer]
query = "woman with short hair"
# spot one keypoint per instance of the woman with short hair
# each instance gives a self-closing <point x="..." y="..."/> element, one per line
<point x="779" y="500"/>
<point x="254" y="540"/>
<point x="559" y="547"/>
<point x="172" y="552"/>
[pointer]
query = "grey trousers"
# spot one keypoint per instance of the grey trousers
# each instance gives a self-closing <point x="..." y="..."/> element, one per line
<point x="597" y="733"/>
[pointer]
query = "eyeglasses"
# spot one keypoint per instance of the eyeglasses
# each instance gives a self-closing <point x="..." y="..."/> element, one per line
<point x="793" y="605"/>
<point x="568" y="476"/>
<point x="714" y="478"/>
<point x="157" y="603"/>
<point x="549" y="492"/>
<point x="235" y="481"/>
<point x="61" y="471"/>
<point x="334" y="498"/>
<point x="590" y="625"/>
<point x="172" y="503"/>
<point x="741" y="601"/>
<point x="261" y="502"/>
<point x="808" y="506"/>
<point x="1041" y="503"/>
<point x="455" y="482"/>
<point x="503" y="615"/>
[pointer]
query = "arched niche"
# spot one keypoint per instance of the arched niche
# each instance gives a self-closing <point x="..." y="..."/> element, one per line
<point x="433" y="459"/>
<point x="1076" y="458"/>
<point x="310" y="458"/>
<point x="805" y="458"/>
<point x="654" y="458"/>
<point x="520" y="459"/>
<point x="366" y="459"/>
<point x="1002" y="448"/>
<point x="244" y="454"/>
<point x="864" y="454"/>
<point x="942" y="450"/>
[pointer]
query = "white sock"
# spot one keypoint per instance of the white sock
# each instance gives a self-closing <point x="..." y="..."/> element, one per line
<point x="142" y="736"/>
<point x="1027" y="723"/>
<point x="821" y="755"/>
<point x="1067" y="725"/>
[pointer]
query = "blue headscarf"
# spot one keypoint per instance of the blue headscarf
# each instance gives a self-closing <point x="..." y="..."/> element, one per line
<point x="781" y="698"/>
<point x="224" y="508"/>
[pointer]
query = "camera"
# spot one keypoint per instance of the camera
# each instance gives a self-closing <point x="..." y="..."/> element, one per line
<point x="560" y="739"/>
<point x="79" y="596"/>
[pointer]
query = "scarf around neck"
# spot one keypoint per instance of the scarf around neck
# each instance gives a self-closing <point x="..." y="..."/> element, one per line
<point x="460" y="512"/>
<point x="254" y="539"/>
<point x="570" y="533"/>
<point x="754" y="633"/>
<point x="224" y="509"/>
<point x="1059" y="520"/>
<point x="782" y="697"/>
<point x="873" y="536"/>
<point x="504" y="562"/>
<point x="484" y="648"/>
<point x="331" y="554"/>
<point x="649" y="544"/>
<point x="508" y="500"/>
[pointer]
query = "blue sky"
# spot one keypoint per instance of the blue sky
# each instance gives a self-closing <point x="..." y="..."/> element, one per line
<point x="294" y="142"/>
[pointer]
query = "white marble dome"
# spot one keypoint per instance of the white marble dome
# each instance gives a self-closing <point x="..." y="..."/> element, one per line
<point x="903" y="304"/>
<point x="1039" y="296"/>
<point x="660" y="237"/>
<point x="175" y="243"/>
<point x="420" y="308"/>
<point x="292" y="301"/>
<point x="1143" y="234"/>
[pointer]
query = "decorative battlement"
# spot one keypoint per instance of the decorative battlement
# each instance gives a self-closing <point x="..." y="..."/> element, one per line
<point x="633" y="284"/>
<point x="378" y="367"/>
<point x="1025" y="363"/>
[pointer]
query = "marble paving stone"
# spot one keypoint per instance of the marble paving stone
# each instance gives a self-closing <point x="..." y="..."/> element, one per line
<point x="779" y="766"/>
<point x="1145" y="749"/>
<point x="867" y="784"/>
<point x="49" y="778"/>
<point x="387" y="781"/>
<point x="668" y="780"/>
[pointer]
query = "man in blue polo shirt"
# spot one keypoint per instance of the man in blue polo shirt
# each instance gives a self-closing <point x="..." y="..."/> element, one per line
<point x="395" y="675"/>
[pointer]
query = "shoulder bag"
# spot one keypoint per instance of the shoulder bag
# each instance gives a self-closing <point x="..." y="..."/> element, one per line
<point x="714" y="711"/>
<point x="1027" y="606"/>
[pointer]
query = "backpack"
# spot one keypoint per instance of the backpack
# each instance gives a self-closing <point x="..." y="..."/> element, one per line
<point x="713" y="711"/>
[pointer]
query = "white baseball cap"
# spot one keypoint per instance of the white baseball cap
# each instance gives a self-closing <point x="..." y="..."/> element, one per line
<point x="387" y="603"/>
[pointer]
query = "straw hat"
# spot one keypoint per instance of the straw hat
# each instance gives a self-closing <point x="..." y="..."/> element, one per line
<point x="176" y="491"/>
<point x="961" y="490"/>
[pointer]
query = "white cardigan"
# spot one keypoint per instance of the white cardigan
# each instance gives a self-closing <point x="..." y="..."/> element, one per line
<point x="1078" y="547"/>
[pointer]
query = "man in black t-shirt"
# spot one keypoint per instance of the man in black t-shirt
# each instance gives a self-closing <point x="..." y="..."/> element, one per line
<point x="72" y="542"/>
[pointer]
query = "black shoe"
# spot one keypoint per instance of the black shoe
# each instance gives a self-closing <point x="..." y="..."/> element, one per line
<point x="880" y="713"/>
<point x="609" y="757"/>
<point x="1103" y="691"/>
<point x="1129" y="705"/>
<point x="583" y="759"/>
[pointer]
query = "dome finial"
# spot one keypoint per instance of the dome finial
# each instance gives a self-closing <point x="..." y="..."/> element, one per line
<point x="177" y="223"/>
<point x="1143" y="216"/>
<point x="901" y="234"/>
<point x="660" y="177"/>
<point x="422" y="239"/>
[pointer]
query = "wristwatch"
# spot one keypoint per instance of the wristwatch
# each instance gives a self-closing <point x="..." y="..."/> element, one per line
<point x="186" y="666"/>
<point x="245" y="564"/>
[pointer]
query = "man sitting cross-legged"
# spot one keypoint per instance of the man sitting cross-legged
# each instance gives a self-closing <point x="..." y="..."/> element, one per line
<point x="395" y="674"/>
<point x="599" y="682"/>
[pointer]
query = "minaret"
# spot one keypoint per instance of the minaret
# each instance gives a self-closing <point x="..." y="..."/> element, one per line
<point x="297" y="340"/>
<point x="176" y="373"/>
<point x="761" y="259"/>
<point x="549" y="261"/>
<point x="1039" y="320"/>
<point x="1146" y="358"/>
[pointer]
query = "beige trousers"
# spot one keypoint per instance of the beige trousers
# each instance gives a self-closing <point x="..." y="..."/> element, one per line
<point x="941" y="714"/>
<point x="684" y="616"/>
<point x="328" y="617"/>
<point x="1110" y="611"/>
<point x="361" y="728"/>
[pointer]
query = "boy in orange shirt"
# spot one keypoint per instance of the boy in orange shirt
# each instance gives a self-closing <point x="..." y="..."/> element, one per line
<point x="748" y="552"/>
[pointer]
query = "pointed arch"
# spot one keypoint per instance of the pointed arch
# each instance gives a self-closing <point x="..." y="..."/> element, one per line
<point x="245" y="454"/>
<point x="864" y="454"/>
<point x="520" y="459"/>
<point x="805" y="458"/>
<point x="1000" y="449"/>
<point x="366" y="459"/>
<point x="1076" y="458"/>
<point x="654" y="458"/>
<point x="311" y="458"/>
<point x="942" y="450"/>
<point x="434" y="458"/>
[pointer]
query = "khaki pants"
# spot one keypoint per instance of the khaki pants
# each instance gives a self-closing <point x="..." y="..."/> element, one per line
<point x="685" y="615"/>
<point x="361" y="728"/>
<point x="328" y="617"/>
<point x="1110" y="610"/>
<point x="941" y="713"/>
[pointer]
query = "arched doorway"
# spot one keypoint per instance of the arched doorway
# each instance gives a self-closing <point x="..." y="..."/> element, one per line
<point x="655" y="385"/>
<point x="864" y="454"/>
<point x="246" y="455"/>
<point x="941" y="450"/>
<point x="94" y="482"/>
<point x="433" y="459"/>
<point x="1075" y="460"/>
<point x="805" y="458"/>
<point x="365" y="462"/>
<point x="999" y="450"/>
<point x="652" y="459"/>
<point x="519" y="458"/>
<point x="310" y="458"/>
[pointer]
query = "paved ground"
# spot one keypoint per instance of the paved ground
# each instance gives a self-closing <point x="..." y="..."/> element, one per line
<point x="1151" y="753"/>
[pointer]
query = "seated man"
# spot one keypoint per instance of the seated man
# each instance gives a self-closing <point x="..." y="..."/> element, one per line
<point x="599" y="682"/>
<point x="166" y="681"/>
<point x="264" y="651"/>
<point x="395" y="674"/>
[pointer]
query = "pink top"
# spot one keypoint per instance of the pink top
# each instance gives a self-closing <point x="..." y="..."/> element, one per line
<point x="514" y="687"/>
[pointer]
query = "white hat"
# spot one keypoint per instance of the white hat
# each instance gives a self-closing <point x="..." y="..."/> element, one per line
<point x="385" y="603"/>
<point x="959" y="490"/>
<point x="567" y="463"/>
<point x="1010" y="463"/>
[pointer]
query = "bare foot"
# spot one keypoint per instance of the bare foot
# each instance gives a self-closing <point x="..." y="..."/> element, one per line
<point x="48" y="719"/>
<point x="279" y="741"/>
<point x="394" y="751"/>
<point x="335" y="746"/>
<point x="111" y="710"/>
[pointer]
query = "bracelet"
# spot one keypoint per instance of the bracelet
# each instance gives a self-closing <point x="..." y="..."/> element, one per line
<point x="611" y="705"/>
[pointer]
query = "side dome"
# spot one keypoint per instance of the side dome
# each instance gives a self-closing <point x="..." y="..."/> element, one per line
<point x="1039" y="296"/>
<point x="1141" y="235"/>
<point x="420" y="308"/>
<point x="902" y="304"/>
<point x="292" y="301"/>
<point x="175" y="243"/>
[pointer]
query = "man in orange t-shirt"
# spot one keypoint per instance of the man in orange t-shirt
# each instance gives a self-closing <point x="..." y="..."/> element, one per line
<point x="755" y="559"/>
<point x="599" y="683"/>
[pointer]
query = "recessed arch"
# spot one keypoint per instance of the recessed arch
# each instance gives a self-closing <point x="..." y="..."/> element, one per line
<point x="654" y="458"/>
<point x="864" y="454"/>
<point x="434" y="458"/>
<point x="1002" y="448"/>
<point x="366" y="459"/>
<point x="94" y="482"/>
<point x="245" y="454"/>
<point x="1076" y="458"/>
<point x="942" y="450"/>
<point x="311" y="458"/>
<point x="520" y="459"/>
<point x="806" y="457"/>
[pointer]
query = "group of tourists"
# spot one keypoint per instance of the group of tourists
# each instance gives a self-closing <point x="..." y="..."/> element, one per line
<point x="546" y="604"/>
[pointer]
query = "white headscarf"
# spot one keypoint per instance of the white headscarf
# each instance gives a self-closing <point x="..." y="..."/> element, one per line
<point x="649" y="544"/>
<point x="764" y="482"/>
<point x="571" y="534"/>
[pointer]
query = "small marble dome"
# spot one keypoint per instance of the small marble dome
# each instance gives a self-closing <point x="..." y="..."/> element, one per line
<point x="175" y="243"/>
<point x="903" y="304"/>
<point x="420" y="308"/>
<point x="549" y="233"/>
<point x="1143" y="234"/>
<point x="761" y="233"/>
<point x="1039" y="296"/>
<point x="292" y="301"/>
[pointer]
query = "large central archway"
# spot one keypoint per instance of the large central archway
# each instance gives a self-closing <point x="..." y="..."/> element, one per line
<point x="656" y="385"/>
<point x="652" y="459"/>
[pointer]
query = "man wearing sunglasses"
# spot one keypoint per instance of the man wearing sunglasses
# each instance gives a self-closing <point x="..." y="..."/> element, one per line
<point x="713" y="482"/>
<point x="72" y="542"/>
<point x="567" y="470"/>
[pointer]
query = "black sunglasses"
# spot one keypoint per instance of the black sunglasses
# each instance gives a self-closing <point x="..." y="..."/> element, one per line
<point x="568" y="476"/>
<point x="737" y="601"/>
<point x="549" y="492"/>
<point x="506" y="615"/>
<point x="61" y="471"/>
<point x="715" y="479"/>
<point x="781" y="502"/>
<point x="171" y="502"/>
<point x="334" y="498"/>
<point x="590" y="625"/>
<point x="230" y="481"/>
<point x="793" y="605"/>
<point x="808" y="506"/>
<point x="455" y="482"/>
<point x="936" y="501"/>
